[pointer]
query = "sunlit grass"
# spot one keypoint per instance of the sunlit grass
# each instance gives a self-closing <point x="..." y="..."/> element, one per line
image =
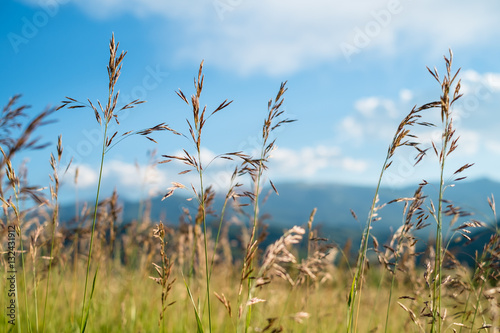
<point x="149" y="276"/>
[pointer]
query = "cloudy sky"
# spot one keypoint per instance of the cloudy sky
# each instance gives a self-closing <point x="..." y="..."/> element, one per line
<point x="354" y="70"/>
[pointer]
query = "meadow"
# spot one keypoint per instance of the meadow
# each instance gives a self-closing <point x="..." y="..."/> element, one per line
<point x="214" y="271"/>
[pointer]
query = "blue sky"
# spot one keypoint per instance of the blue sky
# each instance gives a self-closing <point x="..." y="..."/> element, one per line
<point x="354" y="70"/>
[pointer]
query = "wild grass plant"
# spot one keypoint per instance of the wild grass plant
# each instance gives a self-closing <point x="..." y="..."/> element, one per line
<point x="104" y="116"/>
<point x="255" y="168"/>
<point x="14" y="139"/>
<point x="212" y="272"/>
<point x="449" y="142"/>
<point x="203" y="195"/>
<point x="401" y="138"/>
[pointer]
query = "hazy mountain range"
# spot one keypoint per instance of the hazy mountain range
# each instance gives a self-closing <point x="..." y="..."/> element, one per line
<point x="334" y="203"/>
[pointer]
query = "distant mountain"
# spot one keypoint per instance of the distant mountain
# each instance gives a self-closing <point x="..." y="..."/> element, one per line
<point x="334" y="203"/>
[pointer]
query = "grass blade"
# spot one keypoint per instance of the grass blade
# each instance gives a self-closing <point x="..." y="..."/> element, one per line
<point x="198" y="319"/>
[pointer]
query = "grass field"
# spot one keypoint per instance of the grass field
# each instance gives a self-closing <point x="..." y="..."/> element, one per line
<point x="98" y="276"/>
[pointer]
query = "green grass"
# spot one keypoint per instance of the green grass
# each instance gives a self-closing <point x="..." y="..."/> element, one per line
<point x="125" y="300"/>
<point x="151" y="278"/>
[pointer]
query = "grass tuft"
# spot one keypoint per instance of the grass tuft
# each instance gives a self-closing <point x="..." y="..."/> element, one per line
<point x="264" y="279"/>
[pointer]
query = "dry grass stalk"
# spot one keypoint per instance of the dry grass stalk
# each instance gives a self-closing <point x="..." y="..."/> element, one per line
<point x="486" y="274"/>
<point x="255" y="167"/>
<point x="194" y="162"/>
<point x="225" y="302"/>
<point x="275" y="257"/>
<point x="449" y="143"/>
<point x="104" y="116"/>
<point x="164" y="271"/>
<point x="15" y="137"/>
<point x="54" y="194"/>
<point x="471" y="297"/>
<point x="402" y="138"/>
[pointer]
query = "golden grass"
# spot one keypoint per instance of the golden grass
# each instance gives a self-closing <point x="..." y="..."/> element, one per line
<point x="148" y="277"/>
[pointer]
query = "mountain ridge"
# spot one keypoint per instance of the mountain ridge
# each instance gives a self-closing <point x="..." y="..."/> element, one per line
<point x="334" y="202"/>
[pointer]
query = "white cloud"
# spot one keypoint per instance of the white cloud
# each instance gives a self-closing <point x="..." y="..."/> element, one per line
<point x="130" y="178"/>
<point x="480" y="85"/>
<point x="405" y="95"/>
<point x="493" y="146"/>
<point x="469" y="142"/>
<point x="86" y="177"/>
<point x="428" y="136"/>
<point x="137" y="180"/>
<point x="369" y="128"/>
<point x="313" y="163"/>
<point x="376" y="107"/>
<point x="367" y="106"/>
<point x="376" y="119"/>
<point x="351" y="129"/>
<point x="283" y="36"/>
<point x="135" y="177"/>
<point x="356" y="166"/>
